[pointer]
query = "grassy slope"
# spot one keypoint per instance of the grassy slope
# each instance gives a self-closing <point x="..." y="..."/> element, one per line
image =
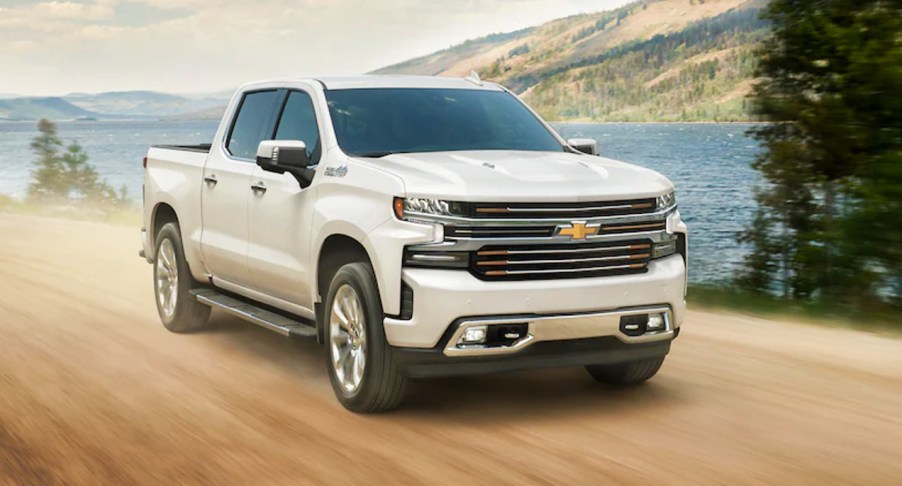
<point x="650" y="60"/>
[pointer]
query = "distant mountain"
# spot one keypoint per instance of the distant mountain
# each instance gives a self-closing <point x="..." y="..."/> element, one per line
<point x="142" y="103"/>
<point x="112" y="105"/>
<point x="651" y="60"/>
<point x="214" y="113"/>
<point x="36" y="108"/>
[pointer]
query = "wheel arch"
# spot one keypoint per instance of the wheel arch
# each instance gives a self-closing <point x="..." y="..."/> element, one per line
<point x="337" y="250"/>
<point x="162" y="214"/>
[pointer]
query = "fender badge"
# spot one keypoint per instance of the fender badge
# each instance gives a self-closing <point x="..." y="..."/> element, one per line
<point x="340" y="171"/>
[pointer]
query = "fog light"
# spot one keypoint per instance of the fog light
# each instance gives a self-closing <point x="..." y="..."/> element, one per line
<point x="474" y="335"/>
<point x="634" y="325"/>
<point x="655" y="323"/>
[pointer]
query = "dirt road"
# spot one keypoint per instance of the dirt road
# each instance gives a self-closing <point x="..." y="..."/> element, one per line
<point x="93" y="390"/>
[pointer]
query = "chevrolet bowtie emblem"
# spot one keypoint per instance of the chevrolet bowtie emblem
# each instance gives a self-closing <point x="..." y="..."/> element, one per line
<point x="578" y="230"/>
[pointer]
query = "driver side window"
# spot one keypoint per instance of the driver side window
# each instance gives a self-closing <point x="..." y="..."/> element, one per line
<point x="251" y="123"/>
<point x="298" y="122"/>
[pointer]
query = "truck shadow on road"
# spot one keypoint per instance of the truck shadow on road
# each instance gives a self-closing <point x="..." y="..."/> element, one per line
<point x="526" y="395"/>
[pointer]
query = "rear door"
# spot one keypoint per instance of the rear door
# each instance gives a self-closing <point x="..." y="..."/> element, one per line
<point x="227" y="188"/>
<point x="281" y="214"/>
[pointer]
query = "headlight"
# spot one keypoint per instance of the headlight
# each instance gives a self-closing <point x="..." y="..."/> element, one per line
<point x="410" y="208"/>
<point x="666" y="201"/>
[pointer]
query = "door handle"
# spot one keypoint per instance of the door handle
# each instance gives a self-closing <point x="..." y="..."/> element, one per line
<point x="259" y="188"/>
<point x="211" y="180"/>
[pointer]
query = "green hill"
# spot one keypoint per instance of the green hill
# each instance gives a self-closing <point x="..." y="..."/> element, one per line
<point x="652" y="60"/>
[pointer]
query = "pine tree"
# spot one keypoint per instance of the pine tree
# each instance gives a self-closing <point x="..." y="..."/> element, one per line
<point x="83" y="180"/>
<point x="49" y="181"/>
<point x="831" y="91"/>
<point x="67" y="178"/>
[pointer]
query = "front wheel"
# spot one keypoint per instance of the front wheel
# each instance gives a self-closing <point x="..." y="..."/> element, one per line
<point x="363" y="370"/>
<point x="178" y="309"/>
<point x="632" y="373"/>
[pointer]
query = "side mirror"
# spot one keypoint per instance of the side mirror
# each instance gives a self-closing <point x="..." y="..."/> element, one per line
<point x="584" y="145"/>
<point x="281" y="156"/>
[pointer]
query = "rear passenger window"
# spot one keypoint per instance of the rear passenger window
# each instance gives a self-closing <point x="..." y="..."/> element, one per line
<point x="250" y="125"/>
<point x="298" y="122"/>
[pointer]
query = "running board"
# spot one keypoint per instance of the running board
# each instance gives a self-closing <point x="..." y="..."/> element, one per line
<point x="250" y="312"/>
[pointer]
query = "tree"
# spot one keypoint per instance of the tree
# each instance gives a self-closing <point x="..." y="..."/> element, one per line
<point x="83" y="181"/>
<point x="67" y="178"/>
<point x="831" y="92"/>
<point x="49" y="182"/>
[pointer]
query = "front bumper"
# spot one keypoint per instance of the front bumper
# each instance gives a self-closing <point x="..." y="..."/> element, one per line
<point x="426" y="363"/>
<point x="445" y="299"/>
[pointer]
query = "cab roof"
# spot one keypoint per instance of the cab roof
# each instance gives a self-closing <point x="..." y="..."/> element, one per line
<point x="394" y="81"/>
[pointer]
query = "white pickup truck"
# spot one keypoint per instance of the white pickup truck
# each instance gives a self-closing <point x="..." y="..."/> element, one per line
<point x="417" y="227"/>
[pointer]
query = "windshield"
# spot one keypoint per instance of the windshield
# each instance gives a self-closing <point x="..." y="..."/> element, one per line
<point x="377" y="122"/>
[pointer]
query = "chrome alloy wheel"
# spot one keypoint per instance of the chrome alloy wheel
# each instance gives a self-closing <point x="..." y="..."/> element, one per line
<point x="167" y="278"/>
<point x="347" y="338"/>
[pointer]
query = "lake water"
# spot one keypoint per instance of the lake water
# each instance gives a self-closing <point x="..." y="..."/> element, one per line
<point x="708" y="163"/>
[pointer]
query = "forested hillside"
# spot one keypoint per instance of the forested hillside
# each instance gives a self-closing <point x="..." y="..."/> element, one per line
<point x="652" y="60"/>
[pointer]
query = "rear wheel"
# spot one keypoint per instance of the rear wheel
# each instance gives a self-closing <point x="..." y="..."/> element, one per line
<point x="632" y="373"/>
<point x="178" y="309"/>
<point x="364" y="372"/>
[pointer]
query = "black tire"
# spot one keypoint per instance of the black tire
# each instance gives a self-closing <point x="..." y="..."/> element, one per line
<point x="384" y="382"/>
<point x="188" y="315"/>
<point x="632" y="373"/>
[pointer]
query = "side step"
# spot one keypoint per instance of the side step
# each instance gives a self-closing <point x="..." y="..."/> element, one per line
<point x="250" y="312"/>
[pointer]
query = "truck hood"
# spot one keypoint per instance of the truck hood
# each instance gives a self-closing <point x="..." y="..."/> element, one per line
<point x="511" y="176"/>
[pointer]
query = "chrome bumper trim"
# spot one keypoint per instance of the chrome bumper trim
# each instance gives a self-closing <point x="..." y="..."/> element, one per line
<point x="561" y="327"/>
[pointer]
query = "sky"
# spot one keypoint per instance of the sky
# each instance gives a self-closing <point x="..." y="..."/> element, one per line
<point x="197" y="46"/>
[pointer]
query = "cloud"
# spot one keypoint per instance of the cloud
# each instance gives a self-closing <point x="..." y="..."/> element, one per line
<point x="97" y="10"/>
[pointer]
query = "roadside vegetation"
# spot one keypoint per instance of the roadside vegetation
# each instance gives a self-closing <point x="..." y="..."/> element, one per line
<point x="880" y="318"/>
<point x="828" y="232"/>
<point x="65" y="184"/>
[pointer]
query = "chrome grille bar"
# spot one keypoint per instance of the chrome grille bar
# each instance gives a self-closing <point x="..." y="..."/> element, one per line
<point x="568" y="250"/>
<point x="567" y="270"/>
<point x="567" y="210"/>
<point x="637" y="256"/>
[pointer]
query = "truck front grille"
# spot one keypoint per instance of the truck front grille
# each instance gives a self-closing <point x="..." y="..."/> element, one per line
<point x="534" y="262"/>
<point x="576" y="211"/>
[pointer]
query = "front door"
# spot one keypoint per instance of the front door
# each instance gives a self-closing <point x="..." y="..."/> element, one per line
<point x="226" y="189"/>
<point x="281" y="213"/>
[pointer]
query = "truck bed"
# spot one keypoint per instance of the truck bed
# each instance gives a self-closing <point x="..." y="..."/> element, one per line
<point x="203" y="147"/>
